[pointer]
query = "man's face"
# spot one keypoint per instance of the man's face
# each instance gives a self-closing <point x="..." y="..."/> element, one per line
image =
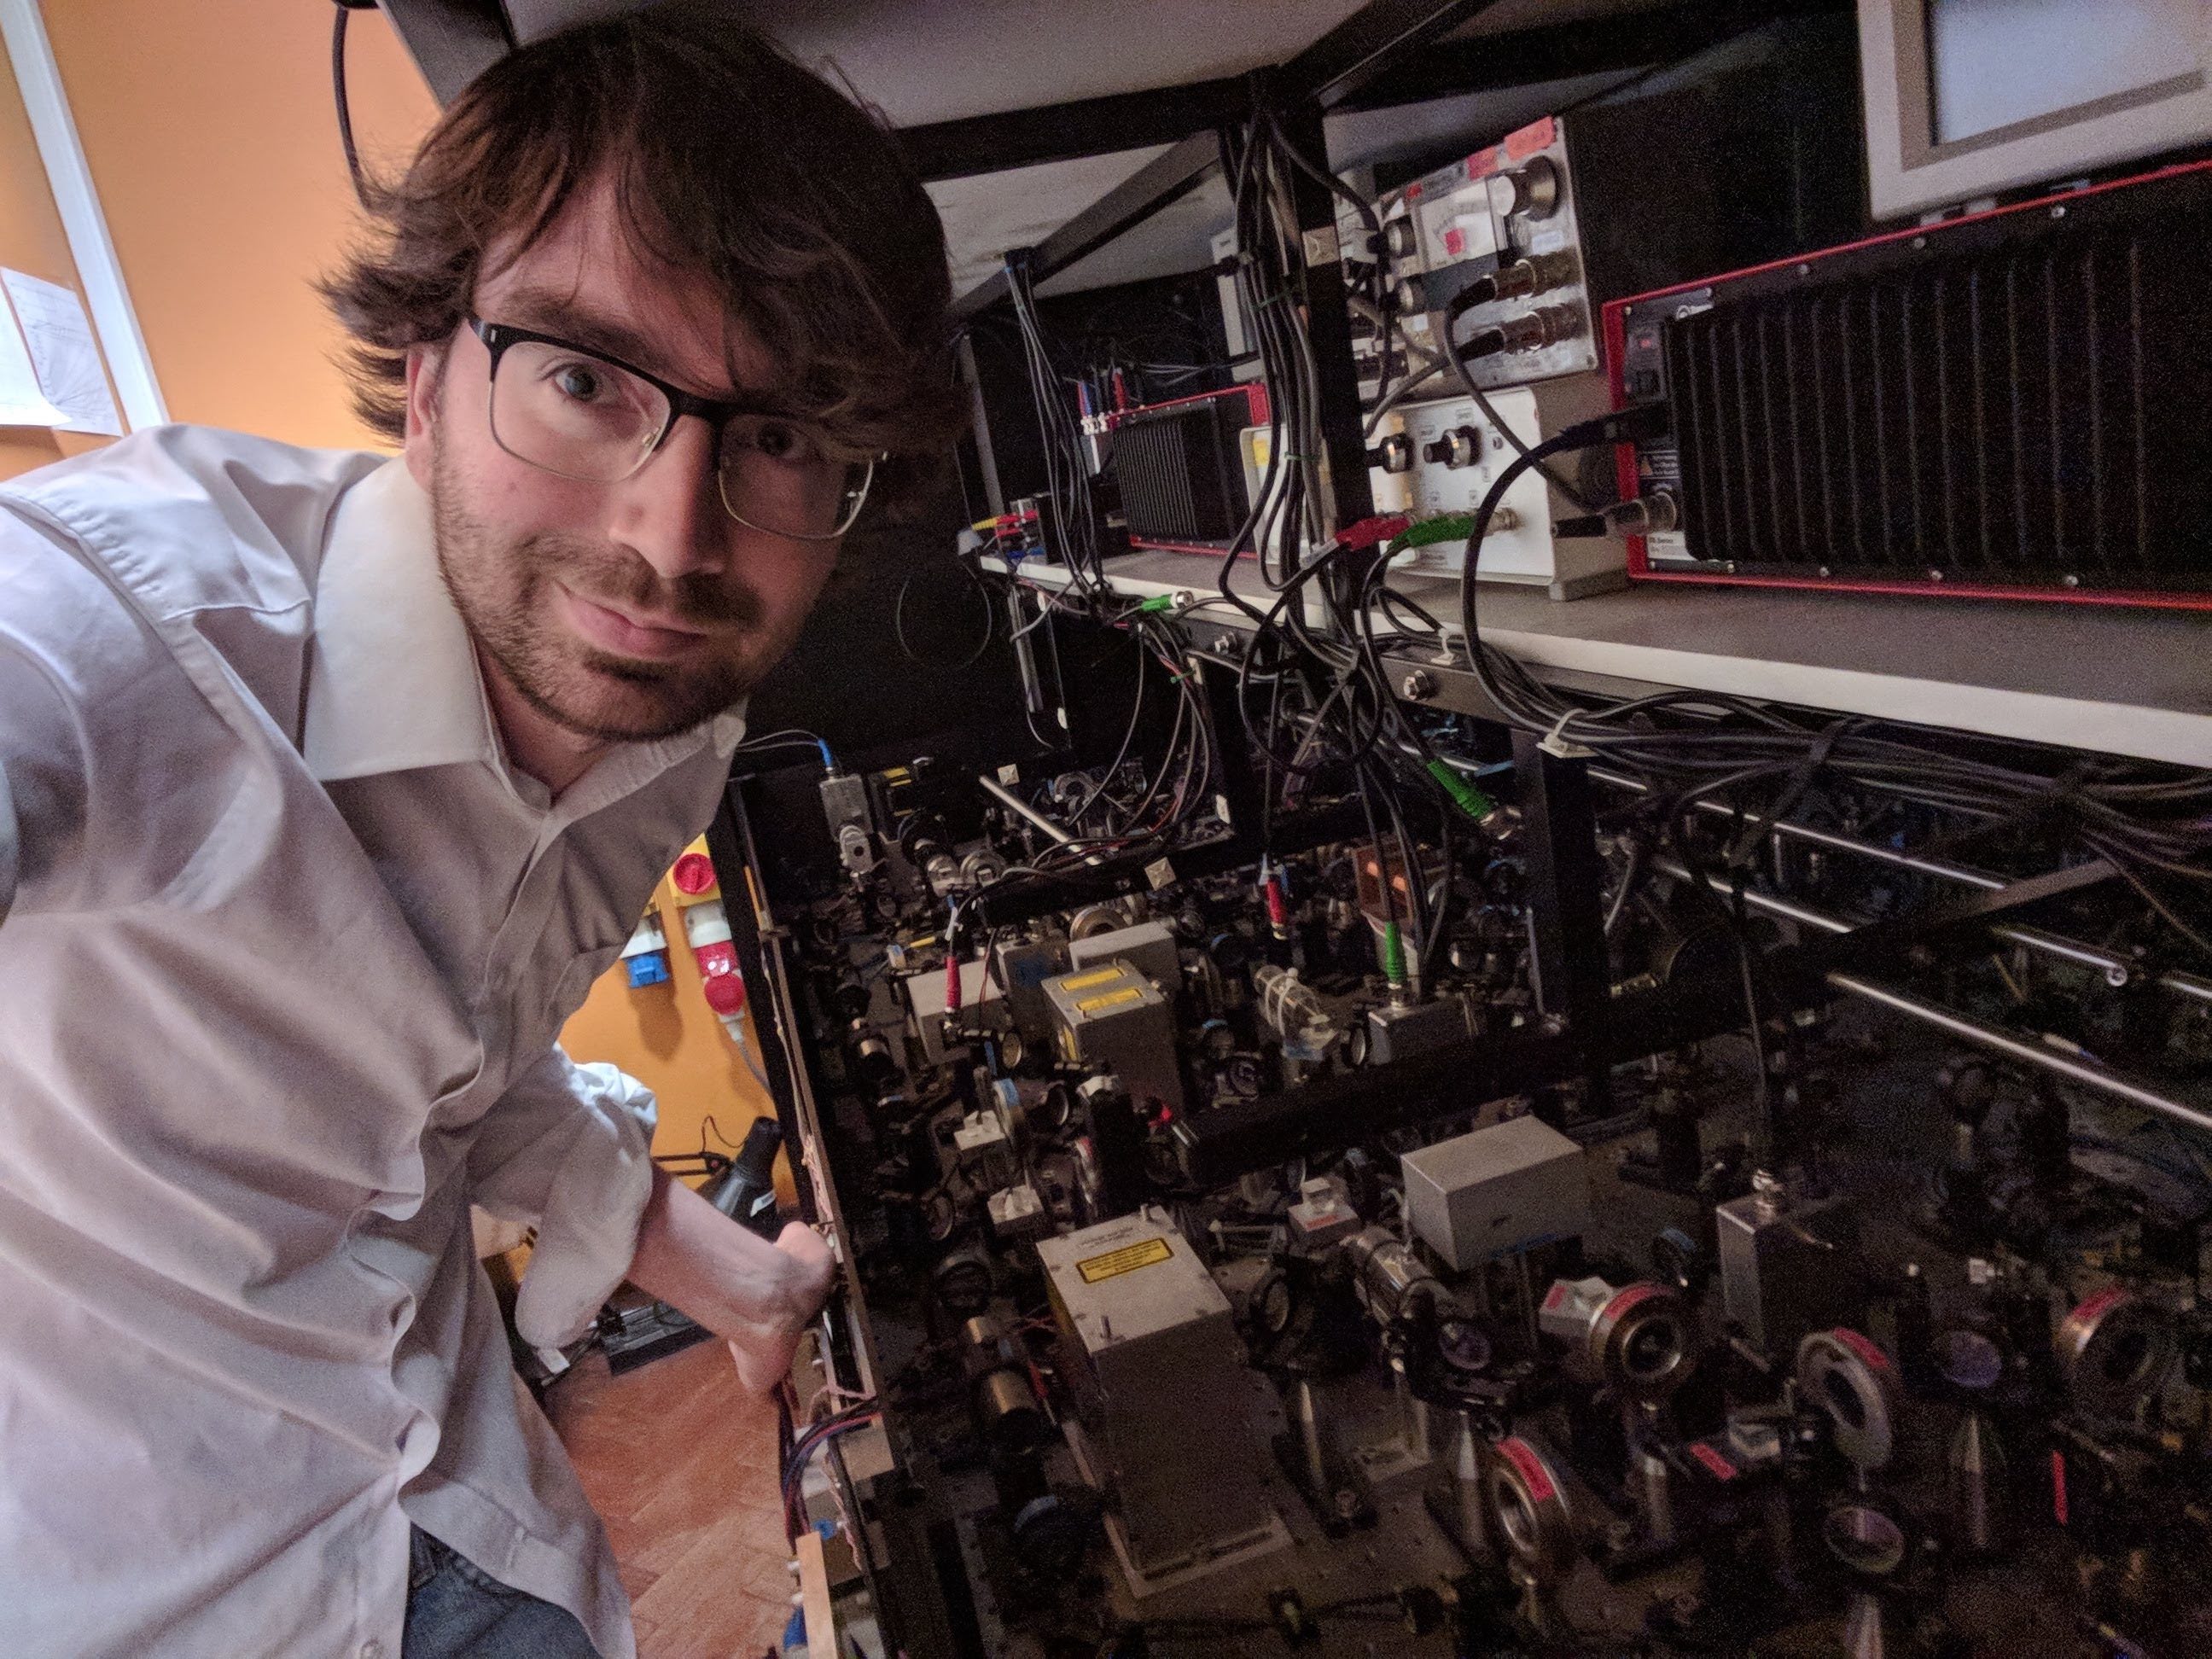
<point x="625" y="610"/>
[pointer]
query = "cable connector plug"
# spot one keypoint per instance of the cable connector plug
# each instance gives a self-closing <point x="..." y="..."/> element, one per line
<point x="1465" y="796"/>
<point x="1639" y="423"/>
<point x="1645" y="515"/>
<point x="1368" y="533"/>
<point x="1394" y="955"/>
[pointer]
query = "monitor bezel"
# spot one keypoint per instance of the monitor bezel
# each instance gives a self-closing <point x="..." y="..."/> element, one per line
<point x="1909" y="173"/>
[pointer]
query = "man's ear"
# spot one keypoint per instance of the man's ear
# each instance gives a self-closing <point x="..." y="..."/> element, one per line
<point x="426" y="366"/>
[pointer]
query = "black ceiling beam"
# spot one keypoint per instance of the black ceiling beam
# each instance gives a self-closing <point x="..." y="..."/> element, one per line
<point x="1372" y="41"/>
<point x="1338" y="64"/>
<point x="1130" y="202"/>
<point x="1559" y="51"/>
<point x="1063" y="132"/>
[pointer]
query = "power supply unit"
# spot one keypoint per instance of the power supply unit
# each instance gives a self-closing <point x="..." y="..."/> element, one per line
<point x="1183" y="467"/>
<point x="2013" y="404"/>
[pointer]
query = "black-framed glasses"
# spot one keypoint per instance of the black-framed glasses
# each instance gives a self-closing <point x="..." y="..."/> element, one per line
<point x="584" y="414"/>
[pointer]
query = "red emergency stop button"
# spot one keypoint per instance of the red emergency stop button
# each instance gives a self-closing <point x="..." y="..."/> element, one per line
<point x="725" y="994"/>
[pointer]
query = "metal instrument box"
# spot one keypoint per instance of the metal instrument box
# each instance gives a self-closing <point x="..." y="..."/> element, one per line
<point x="1163" y="1392"/>
<point x="1116" y="1018"/>
<point x="1497" y="1191"/>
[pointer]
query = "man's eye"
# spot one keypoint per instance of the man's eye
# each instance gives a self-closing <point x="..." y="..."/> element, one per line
<point x="780" y="440"/>
<point x="580" y="381"/>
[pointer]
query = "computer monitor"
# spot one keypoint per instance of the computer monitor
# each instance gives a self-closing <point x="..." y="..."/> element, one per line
<point x="1967" y="97"/>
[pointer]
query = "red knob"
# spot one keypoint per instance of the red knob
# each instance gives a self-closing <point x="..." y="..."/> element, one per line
<point x="725" y="994"/>
<point x="694" y="873"/>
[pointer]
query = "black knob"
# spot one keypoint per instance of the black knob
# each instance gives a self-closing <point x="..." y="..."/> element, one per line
<point x="1533" y="190"/>
<point x="1400" y="238"/>
<point x="745" y="1192"/>
<point x="1394" y="454"/>
<point x="1456" y="448"/>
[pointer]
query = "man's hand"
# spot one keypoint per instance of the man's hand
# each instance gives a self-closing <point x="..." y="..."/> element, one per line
<point x="758" y="1296"/>
<point x="763" y="1350"/>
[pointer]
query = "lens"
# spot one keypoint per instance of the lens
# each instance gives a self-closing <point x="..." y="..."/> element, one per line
<point x="572" y="413"/>
<point x="781" y="476"/>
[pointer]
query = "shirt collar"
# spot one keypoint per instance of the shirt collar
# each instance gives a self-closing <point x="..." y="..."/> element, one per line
<point x="392" y="678"/>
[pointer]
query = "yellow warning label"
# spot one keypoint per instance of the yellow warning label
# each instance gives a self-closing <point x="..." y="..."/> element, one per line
<point x="1109" y="1000"/>
<point x="1126" y="1260"/>
<point x="1097" y="977"/>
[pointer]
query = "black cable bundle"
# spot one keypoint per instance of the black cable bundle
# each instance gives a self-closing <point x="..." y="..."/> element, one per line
<point x="1328" y="705"/>
<point x="2153" y="826"/>
<point x="1073" y="534"/>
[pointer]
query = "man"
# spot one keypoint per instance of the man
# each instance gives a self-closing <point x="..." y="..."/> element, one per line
<point x="339" y="781"/>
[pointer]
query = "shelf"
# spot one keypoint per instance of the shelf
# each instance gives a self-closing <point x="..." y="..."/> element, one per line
<point x="2104" y="678"/>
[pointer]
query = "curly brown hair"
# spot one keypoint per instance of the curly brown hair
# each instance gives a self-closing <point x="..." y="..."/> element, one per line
<point x="728" y="161"/>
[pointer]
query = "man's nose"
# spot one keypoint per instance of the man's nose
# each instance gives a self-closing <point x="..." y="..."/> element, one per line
<point x="670" y="511"/>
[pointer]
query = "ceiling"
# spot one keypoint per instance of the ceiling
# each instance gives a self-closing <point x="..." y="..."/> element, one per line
<point x="921" y="61"/>
<point x="926" y="61"/>
<point x="988" y="213"/>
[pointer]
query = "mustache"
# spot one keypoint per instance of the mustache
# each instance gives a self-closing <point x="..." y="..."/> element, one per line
<point x="713" y="600"/>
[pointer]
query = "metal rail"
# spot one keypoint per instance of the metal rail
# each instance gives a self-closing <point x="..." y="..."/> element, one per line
<point x="1014" y="804"/>
<point x="2115" y="1083"/>
<point x="2118" y="1085"/>
<point x="2118" y="970"/>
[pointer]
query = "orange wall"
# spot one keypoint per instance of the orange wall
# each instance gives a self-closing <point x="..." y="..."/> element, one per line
<point x="209" y="130"/>
<point x="210" y="133"/>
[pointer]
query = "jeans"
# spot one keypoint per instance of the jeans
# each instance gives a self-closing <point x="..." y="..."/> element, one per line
<point x="456" y="1610"/>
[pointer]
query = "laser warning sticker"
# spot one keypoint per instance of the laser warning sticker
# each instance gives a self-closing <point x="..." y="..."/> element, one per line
<point x="1126" y="1260"/>
<point x="1109" y="1000"/>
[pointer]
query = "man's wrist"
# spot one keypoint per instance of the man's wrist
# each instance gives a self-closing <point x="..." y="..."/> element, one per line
<point x="716" y="1271"/>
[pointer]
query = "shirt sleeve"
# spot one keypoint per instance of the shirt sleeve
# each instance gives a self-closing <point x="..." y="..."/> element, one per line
<point x="568" y="1149"/>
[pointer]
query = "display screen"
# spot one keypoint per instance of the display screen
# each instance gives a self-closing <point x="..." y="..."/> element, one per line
<point x="1994" y="63"/>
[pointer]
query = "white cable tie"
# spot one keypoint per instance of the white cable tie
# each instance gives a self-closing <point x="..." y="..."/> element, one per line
<point x="1558" y="745"/>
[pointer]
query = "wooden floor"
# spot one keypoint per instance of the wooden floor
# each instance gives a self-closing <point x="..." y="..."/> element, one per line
<point x="680" y="1464"/>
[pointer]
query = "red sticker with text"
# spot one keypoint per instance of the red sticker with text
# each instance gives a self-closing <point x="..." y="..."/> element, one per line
<point x="1537" y="134"/>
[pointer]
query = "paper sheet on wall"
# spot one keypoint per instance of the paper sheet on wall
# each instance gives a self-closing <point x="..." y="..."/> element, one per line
<point x="64" y="355"/>
<point x="21" y="401"/>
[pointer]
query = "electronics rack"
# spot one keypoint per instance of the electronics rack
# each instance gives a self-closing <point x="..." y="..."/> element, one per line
<point x="1589" y="1035"/>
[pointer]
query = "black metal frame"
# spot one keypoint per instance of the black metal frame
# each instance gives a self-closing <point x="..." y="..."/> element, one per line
<point x="1065" y="132"/>
<point x="1341" y="64"/>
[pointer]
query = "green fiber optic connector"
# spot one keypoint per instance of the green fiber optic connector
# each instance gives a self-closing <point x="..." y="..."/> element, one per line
<point x="1470" y="800"/>
<point x="1393" y="954"/>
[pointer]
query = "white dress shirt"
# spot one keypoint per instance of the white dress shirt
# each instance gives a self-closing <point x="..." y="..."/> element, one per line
<point x="290" y="948"/>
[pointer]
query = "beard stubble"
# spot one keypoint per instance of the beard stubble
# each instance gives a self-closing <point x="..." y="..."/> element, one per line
<point x="503" y="592"/>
